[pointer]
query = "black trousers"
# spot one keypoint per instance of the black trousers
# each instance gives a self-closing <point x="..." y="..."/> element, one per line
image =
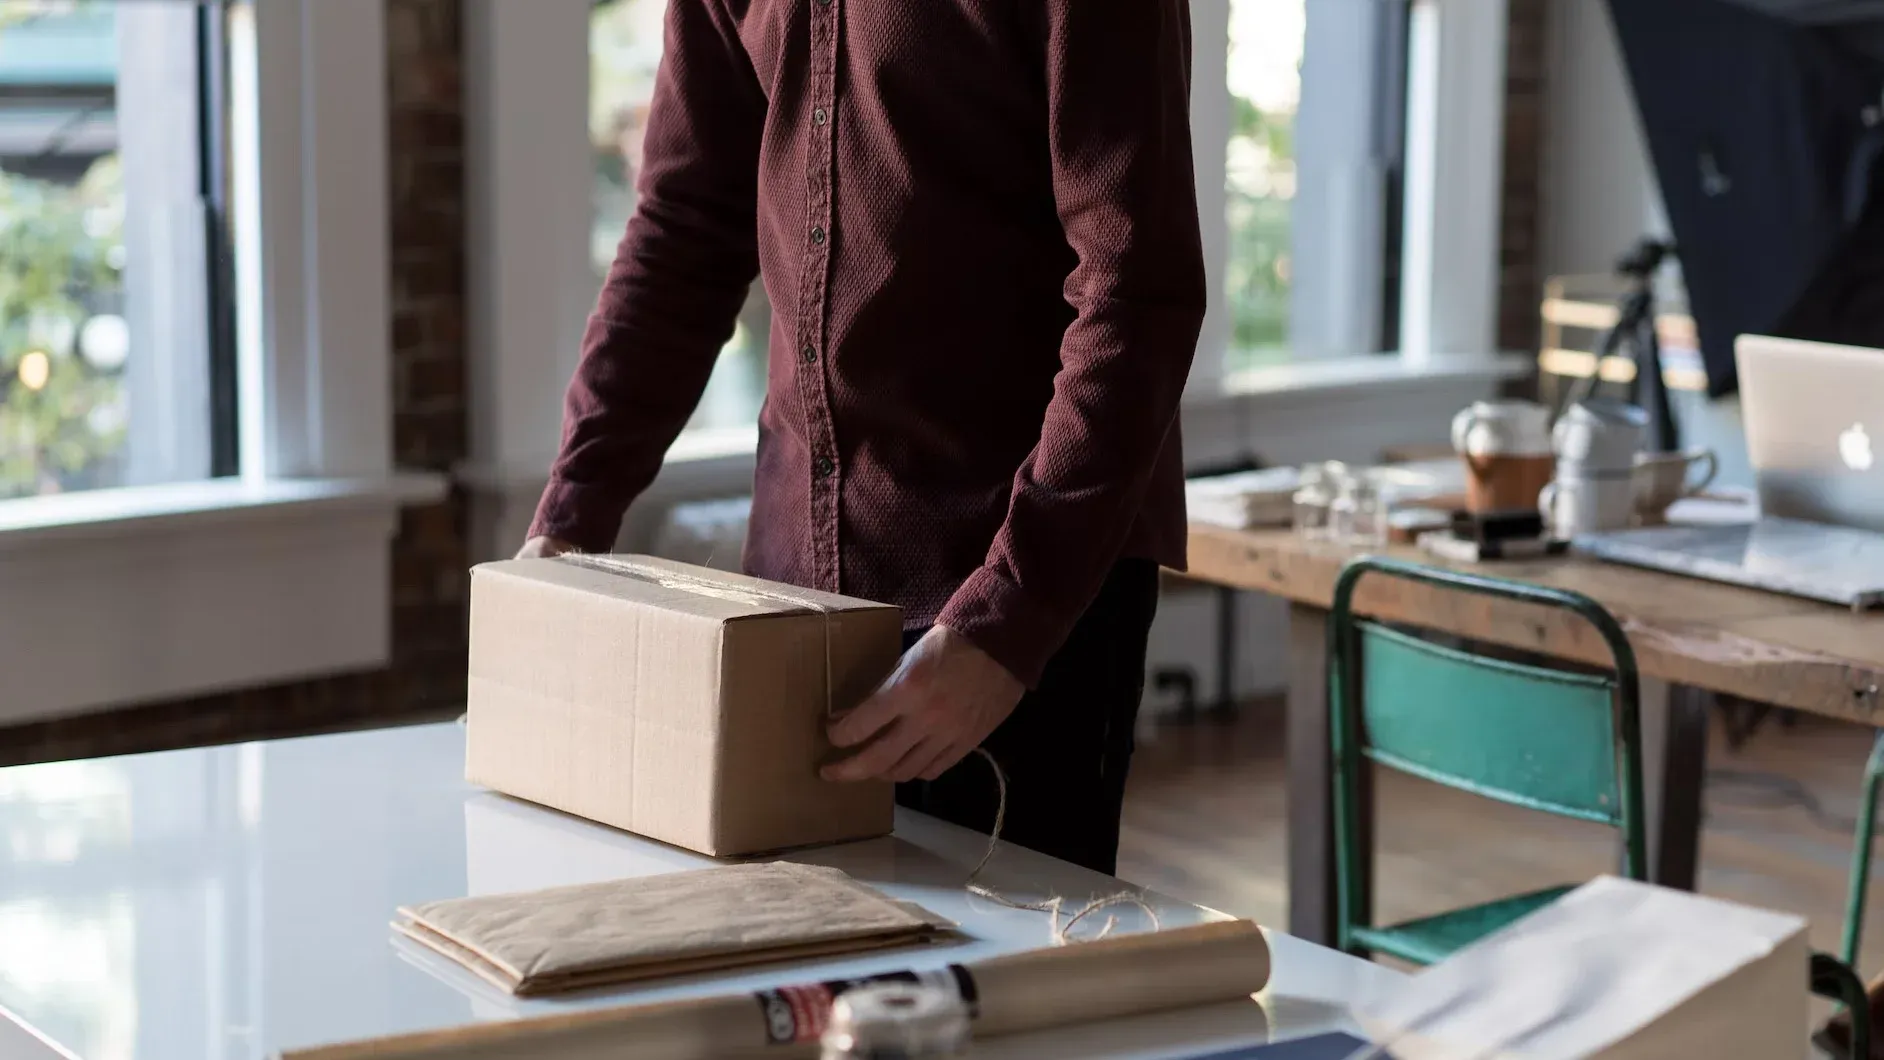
<point x="1067" y="746"/>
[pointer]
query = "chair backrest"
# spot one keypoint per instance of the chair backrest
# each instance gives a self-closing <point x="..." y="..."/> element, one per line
<point x="1522" y="734"/>
<point x="1557" y="741"/>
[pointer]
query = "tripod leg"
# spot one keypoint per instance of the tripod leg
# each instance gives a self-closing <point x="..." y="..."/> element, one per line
<point x="1651" y="389"/>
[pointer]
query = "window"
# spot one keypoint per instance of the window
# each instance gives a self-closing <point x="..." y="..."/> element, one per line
<point x="249" y="544"/>
<point x="1265" y="72"/>
<point x="1304" y="267"/>
<point x="1310" y="125"/>
<point x="114" y="354"/>
<point x="624" y="52"/>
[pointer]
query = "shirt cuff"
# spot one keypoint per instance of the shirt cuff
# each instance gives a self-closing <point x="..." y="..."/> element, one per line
<point x="1017" y="630"/>
<point x="586" y="517"/>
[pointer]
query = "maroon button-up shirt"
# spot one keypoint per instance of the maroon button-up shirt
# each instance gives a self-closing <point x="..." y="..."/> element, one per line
<point x="977" y="224"/>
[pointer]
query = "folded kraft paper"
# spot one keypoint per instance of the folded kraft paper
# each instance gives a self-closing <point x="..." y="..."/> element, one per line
<point x="571" y="938"/>
<point x="685" y="704"/>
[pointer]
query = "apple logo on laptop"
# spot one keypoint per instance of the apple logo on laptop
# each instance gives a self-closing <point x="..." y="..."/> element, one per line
<point x="1855" y="447"/>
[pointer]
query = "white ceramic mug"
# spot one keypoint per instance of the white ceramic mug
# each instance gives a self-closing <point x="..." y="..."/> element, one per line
<point x="1573" y="506"/>
<point x="1600" y="435"/>
<point x="1502" y="428"/>
<point x="1506" y="449"/>
<point x="1661" y="479"/>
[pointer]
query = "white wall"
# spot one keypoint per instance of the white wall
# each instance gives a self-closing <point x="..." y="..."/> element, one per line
<point x="1599" y="193"/>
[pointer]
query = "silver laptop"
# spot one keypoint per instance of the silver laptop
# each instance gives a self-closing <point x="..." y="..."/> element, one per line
<point x="1814" y="422"/>
<point x="1814" y="417"/>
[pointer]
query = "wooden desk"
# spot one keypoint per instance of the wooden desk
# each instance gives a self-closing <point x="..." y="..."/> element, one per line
<point x="1692" y="639"/>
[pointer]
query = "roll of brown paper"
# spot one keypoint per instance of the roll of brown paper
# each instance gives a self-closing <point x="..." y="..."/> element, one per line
<point x="1130" y="975"/>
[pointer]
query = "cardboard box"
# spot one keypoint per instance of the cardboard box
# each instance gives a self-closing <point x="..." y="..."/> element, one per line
<point x="1615" y="969"/>
<point x="685" y="704"/>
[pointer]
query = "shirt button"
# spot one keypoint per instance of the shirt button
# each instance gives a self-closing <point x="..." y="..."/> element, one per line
<point x="820" y="116"/>
<point x="817" y="235"/>
<point x="823" y="467"/>
<point x="808" y="354"/>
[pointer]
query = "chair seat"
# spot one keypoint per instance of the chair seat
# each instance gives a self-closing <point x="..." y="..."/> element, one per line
<point x="1429" y="940"/>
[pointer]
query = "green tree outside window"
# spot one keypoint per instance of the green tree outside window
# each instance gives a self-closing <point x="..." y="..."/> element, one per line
<point x="62" y="401"/>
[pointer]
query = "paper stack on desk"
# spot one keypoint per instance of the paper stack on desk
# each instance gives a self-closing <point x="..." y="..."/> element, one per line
<point x="1249" y="499"/>
<point x="1245" y="499"/>
<point x="651" y="927"/>
<point x="1617" y="970"/>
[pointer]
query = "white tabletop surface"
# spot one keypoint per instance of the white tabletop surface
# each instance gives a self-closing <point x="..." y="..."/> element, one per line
<point x="224" y="903"/>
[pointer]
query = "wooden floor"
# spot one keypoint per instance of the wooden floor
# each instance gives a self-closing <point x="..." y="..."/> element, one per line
<point x="1204" y="821"/>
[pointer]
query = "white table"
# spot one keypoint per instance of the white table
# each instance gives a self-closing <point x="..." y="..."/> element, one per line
<point x="223" y="903"/>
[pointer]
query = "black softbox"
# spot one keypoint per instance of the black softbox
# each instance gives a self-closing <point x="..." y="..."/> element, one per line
<point x="1763" y="122"/>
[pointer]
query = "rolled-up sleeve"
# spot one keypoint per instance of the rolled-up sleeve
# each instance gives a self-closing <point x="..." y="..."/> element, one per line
<point x="674" y="291"/>
<point x="1118" y="79"/>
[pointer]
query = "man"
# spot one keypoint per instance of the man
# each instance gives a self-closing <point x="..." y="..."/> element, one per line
<point x="977" y="224"/>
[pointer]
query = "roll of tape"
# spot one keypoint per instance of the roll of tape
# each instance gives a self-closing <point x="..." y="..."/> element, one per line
<point x="897" y="1021"/>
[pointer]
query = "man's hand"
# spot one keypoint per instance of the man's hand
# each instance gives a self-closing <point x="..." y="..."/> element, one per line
<point x="544" y="548"/>
<point x="943" y="699"/>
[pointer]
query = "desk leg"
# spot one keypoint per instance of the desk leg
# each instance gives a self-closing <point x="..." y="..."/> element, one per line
<point x="1310" y="783"/>
<point x="1674" y="772"/>
<point x="1226" y="653"/>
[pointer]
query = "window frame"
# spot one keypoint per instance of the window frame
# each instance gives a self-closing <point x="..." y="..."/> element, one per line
<point x="171" y="144"/>
<point x="316" y="401"/>
<point x="1345" y="155"/>
<point x="179" y="381"/>
<point x="1454" y="167"/>
<point x="148" y="593"/>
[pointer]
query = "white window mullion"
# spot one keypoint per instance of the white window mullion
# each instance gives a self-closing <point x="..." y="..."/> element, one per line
<point x="311" y="185"/>
<point x="1338" y="217"/>
<point x="1210" y="143"/>
<point x="529" y="184"/>
<point x="347" y="221"/>
<point x="1454" y="169"/>
<point x="166" y="271"/>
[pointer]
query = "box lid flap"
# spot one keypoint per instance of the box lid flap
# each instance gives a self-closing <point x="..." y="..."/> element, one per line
<point x="681" y="587"/>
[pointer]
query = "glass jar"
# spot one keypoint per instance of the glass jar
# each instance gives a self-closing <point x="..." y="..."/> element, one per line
<point x="1358" y="516"/>
<point x="1314" y="498"/>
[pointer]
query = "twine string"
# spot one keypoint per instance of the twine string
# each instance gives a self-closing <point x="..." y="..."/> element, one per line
<point x="1054" y="906"/>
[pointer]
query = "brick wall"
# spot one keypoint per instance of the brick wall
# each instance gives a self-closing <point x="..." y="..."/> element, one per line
<point x="429" y="556"/>
<point x="1520" y="286"/>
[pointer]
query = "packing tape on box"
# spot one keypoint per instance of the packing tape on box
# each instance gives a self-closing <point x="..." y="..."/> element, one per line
<point x="1114" y="978"/>
<point x="671" y="579"/>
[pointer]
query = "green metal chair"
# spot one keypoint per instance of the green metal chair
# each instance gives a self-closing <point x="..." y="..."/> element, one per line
<point x="1835" y="979"/>
<point x="1860" y="877"/>
<point x="1838" y="979"/>
<point x="1550" y="740"/>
